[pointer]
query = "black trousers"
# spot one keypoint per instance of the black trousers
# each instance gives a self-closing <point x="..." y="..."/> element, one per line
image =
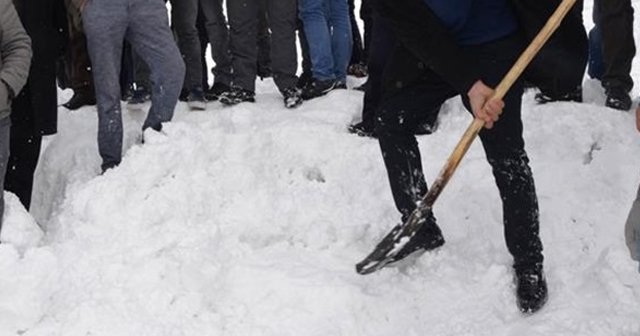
<point x="383" y="43"/>
<point x="358" y="55"/>
<point x="412" y="91"/>
<point x="615" y="18"/>
<point x="24" y="147"/>
<point x="243" y="23"/>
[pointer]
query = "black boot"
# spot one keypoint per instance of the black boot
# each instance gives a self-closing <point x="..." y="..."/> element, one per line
<point x="531" y="289"/>
<point x="429" y="237"/>
<point x="618" y="99"/>
<point x="81" y="97"/>
<point x="363" y="129"/>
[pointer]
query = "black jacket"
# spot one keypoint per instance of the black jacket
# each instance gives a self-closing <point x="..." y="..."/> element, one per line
<point x="37" y="104"/>
<point x="422" y="32"/>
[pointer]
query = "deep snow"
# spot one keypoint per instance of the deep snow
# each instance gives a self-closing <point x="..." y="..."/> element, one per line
<point x="249" y="220"/>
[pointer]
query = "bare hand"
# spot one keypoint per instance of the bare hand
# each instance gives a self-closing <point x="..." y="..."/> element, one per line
<point x="484" y="108"/>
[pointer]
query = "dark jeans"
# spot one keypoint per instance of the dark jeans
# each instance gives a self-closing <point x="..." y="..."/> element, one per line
<point x="145" y="25"/>
<point x="243" y="22"/>
<point x="618" y="45"/>
<point x="415" y="90"/>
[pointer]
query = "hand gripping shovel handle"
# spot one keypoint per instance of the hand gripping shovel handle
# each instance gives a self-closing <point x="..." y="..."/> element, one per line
<point x="499" y="93"/>
<point x="386" y="248"/>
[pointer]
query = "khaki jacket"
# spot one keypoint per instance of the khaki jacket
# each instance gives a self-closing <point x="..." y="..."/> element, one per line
<point x="15" y="56"/>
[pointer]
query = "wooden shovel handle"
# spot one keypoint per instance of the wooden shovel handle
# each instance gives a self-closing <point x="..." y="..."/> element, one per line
<point x="499" y="93"/>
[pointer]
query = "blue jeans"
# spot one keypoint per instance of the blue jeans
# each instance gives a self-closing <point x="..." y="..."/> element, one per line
<point x="328" y="28"/>
<point x="145" y="25"/>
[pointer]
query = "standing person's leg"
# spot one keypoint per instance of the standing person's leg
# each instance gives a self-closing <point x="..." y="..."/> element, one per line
<point x="316" y="29"/>
<point x="366" y="15"/>
<point x="264" y="42"/>
<point x="282" y="16"/>
<point x="151" y="37"/>
<point x="404" y="106"/>
<point x="504" y="148"/>
<point x="307" y="75"/>
<point x="77" y="62"/>
<point x="341" y="42"/>
<point x="358" y="60"/>
<point x="315" y="19"/>
<point x="596" y="65"/>
<point x="243" y="23"/>
<point x="5" y="128"/>
<point x="218" y="34"/>
<point x="105" y="23"/>
<point x="284" y="56"/>
<point x="184" y="14"/>
<point x="382" y="47"/>
<point x="618" y="50"/>
<point x="25" y="149"/>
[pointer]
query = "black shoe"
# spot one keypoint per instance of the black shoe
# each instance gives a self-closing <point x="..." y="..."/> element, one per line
<point x="305" y="79"/>
<point x="237" y="96"/>
<point x="362" y="129"/>
<point x="317" y="88"/>
<point x="81" y="98"/>
<point x="429" y="237"/>
<point x="264" y="72"/>
<point x="357" y="70"/>
<point x="139" y="96"/>
<point x="216" y="91"/>
<point x="292" y="97"/>
<point x="106" y="166"/>
<point x="618" y="99"/>
<point x="341" y="85"/>
<point x="574" y="96"/>
<point x="195" y="100"/>
<point x="531" y="289"/>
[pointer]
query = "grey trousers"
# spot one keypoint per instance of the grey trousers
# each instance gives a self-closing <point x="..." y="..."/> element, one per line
<point x="5" y="127"/>
<point x="184" y="14"/>
<point x="243" y="20"/>
<point x="632" y="229"/>
<point x="145" y="24"/>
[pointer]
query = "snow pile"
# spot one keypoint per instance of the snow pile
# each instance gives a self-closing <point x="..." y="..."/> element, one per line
<point x="249" y="220"/>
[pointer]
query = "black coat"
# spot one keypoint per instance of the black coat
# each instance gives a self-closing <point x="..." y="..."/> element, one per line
<point x="422" y="32"/>
<point x="36" y="107"/>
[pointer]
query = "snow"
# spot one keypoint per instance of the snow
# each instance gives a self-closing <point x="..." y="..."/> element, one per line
<point x="249" y="221"/>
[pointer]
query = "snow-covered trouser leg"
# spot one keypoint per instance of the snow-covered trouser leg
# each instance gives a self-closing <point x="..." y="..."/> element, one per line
<point x="504" y="147"/>
<point x="412" y="97"/>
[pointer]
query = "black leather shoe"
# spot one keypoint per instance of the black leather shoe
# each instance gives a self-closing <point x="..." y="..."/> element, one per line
<point x="618" y="99"/>
<point x="80" y="98"/>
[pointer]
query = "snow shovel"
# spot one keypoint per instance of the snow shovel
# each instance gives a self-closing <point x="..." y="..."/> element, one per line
<point x="395" y="240"/>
